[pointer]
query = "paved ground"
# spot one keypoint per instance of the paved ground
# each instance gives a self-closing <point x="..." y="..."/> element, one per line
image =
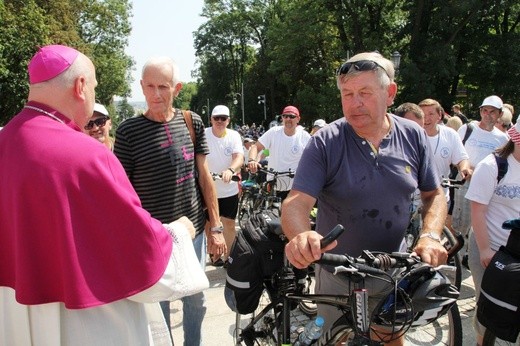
<point x="219" y="323"/>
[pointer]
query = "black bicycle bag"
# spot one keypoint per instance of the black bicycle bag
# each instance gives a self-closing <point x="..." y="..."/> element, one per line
<point x="498" y="307"/>
<point x="256" y="254"/>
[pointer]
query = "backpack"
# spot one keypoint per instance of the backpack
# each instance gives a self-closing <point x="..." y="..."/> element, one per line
<point x="498" y="307"/>
<point x="256" y="255"/>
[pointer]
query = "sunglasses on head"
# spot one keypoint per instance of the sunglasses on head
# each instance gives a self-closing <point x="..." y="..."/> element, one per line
<point x="361" y="65"/>
<point x="219" y="118"/>
<point x="98" y="122"/>
<point x="290" y="116"/>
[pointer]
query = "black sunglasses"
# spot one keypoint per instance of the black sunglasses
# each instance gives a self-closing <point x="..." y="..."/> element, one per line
<point x="290" y="116"/>
<point x="98" y="122"/>
<point x="361" y="65"/>
<point x="218" y="118"/>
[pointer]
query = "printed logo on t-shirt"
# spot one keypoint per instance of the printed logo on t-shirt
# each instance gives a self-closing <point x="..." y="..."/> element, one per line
<point x="295" y="149"/>
<point x="228" y="151"/>
<point x="445" y="152"/>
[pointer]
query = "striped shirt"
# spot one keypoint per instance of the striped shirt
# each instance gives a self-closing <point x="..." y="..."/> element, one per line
<point x="160" y="163"/>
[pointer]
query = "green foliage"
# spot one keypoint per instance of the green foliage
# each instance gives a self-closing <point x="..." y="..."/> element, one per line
<point x="23" y="29"/>
<point x="453" y="51"/>
<point x="97" y="28"/>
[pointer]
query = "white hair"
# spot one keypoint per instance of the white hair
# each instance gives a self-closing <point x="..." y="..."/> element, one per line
<point x="163" y="61"/>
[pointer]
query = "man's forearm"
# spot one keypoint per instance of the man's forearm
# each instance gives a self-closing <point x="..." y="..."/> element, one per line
<point x="295" y="215"/>
<point x="434" y="212"/>
<point x="209" y="193"/>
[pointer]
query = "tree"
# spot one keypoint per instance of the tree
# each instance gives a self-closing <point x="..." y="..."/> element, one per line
<point x="19" y="21"/>
<point x="98" y="28"/>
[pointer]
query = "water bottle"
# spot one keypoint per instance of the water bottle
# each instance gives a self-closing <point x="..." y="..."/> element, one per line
<point x="311" y="332"/>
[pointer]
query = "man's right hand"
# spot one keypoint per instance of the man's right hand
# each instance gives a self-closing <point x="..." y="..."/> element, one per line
<point x="305" y="248"/>
<point x="253" y="166"/>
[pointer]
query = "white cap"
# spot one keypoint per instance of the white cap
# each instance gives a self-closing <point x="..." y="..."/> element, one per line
<point x="319" y="123"/>
<point x="220" y="110"/>
<point x="493" y="101"/>
<point x="100" y="109"/>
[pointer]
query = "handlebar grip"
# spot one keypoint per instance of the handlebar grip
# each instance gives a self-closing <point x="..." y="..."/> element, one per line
<point x="334" y="259"/>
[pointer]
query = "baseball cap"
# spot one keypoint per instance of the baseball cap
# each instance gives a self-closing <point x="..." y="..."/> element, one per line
<point x="319" y="123"/>
<point x="291" y="110"/>
<point x="248" y="140"/>
<point x="220" y="110"/>
<point x="50" y="61"/>
<point x="100" y="109"/>
<point x="493" y="101"/>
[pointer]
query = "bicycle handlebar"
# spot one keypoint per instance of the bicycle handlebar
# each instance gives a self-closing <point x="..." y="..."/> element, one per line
<point x="264" y="169"/>
<point x="374" y="263"/>
<point x="452" y="183"/>
<point x="218" y="176"/>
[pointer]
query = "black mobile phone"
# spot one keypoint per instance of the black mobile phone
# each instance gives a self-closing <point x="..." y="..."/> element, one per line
<point x="332" y="235"/>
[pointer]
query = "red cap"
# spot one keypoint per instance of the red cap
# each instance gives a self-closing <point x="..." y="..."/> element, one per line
<point x="50" y="61"/>
<point x="291" y="110"/>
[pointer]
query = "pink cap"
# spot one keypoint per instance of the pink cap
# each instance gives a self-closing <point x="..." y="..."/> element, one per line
<point x="50" y="61"/>
<point x="291" y="110"/>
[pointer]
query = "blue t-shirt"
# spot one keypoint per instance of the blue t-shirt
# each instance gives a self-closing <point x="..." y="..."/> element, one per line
<point x="369" y="194"/>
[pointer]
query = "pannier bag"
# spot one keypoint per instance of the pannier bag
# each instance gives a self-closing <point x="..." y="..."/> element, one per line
<point x="256" y="254"/>
<point x="498" y="307"/>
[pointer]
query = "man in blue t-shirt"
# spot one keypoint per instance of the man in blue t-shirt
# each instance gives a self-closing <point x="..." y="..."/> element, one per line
<point x="362" y="170"/>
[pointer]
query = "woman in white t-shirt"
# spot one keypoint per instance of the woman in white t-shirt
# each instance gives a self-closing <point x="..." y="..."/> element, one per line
<point x="492" y="203"/>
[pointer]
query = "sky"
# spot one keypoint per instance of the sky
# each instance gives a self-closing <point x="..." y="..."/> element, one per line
<point x="163" y="28"/>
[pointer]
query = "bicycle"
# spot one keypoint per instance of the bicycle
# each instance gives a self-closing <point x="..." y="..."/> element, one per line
<point x="270" y="325"/>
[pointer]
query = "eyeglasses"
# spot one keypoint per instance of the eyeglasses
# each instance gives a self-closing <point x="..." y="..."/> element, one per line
<point x="290" y="116"/>
<point x="218" y="118"/>
<point x="98" y="122"/>
<point x="361" y="65"/>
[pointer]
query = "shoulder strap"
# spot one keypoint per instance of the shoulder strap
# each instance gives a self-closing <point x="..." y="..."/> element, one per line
<point x="188" y="119"/>
<point x="468" y="132"/>
<point x="502" y="167"/>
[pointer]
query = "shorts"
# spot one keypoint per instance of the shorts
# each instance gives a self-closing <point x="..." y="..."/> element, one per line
<point x="228" y="207"/>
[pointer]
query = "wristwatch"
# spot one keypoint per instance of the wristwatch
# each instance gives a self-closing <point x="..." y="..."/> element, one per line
<point x="232" y="170"/>
<point x="430" y="235"/>
<point x="217" y="229"/>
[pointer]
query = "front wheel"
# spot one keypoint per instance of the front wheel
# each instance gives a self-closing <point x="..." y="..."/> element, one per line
<point x="490" y="339"/>
<point x="446" y="330"/>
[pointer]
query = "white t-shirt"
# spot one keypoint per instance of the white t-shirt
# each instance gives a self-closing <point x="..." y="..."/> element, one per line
<point x="481" y="143"/>
<point x="284" y="151"/>
<point x="447" y="149"/>
<point x="220" y="156"/>
<point x="503" y="200"/>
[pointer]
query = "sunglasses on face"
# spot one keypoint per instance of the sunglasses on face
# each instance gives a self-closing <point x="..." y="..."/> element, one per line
<point x="362" y="65"/>
<point x="220" y="118"/>
<point x="98" y="122"/>
<point x="290" y="116"/>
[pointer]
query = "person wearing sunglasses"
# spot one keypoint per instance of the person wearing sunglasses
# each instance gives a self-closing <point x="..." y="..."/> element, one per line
<point x="362" y="170"/>
<point x="285" y="144"/>
<point x="226" y="156"/>
<point x="99" y="126"/>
